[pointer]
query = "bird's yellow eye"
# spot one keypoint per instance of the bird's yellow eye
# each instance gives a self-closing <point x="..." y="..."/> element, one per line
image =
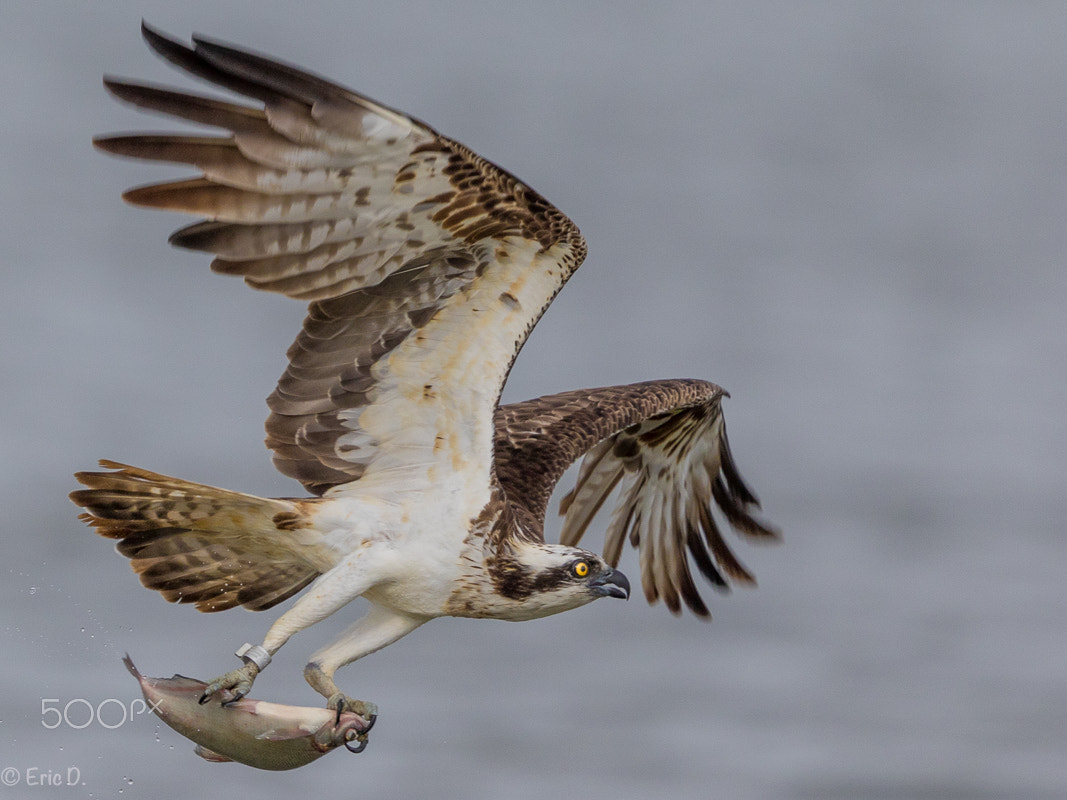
<point x="581" y="569"/>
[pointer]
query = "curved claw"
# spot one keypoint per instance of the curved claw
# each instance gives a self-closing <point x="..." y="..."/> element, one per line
<point x="355" y="742"/>
<point x="237" y="693"/>
<point x="359" y="748"/>
<point x="341" y="703"/>
<point x="352" y="738"/>
<point x="232" y="686"/>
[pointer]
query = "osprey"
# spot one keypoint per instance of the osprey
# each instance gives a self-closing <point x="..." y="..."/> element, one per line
<point x="425" y="267"/>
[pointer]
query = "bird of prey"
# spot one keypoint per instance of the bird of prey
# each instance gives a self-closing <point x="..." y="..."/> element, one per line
<point x="425" y="268"/>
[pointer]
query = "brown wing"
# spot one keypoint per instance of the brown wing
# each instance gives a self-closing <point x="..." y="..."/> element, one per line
<point x="665" y="442"/>
<point x="425" y="265"/>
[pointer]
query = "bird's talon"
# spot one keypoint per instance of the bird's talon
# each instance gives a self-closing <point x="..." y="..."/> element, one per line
<point x="355" y="742"/>
<point x="228" y="698"/>
<point x="341" y="703"/>
<point x="232" y="686"/>
<point x="357" y="748"/>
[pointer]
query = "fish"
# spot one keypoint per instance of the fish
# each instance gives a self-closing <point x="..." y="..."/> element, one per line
<point x="264" y="735"/>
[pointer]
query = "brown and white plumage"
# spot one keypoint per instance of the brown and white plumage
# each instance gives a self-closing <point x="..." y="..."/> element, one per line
<point x="665" y="442"/>
<point x="425" y="268"/>
<point x="409" y="247"/>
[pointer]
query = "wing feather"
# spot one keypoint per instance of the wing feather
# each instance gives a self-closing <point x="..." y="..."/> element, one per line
<point x="664" y="443"/>
<point x="596" y="485"/>
<point x="197" y="108"/>
<point x="425" y="266"/>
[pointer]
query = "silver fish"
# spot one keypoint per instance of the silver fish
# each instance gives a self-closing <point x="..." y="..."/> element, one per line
<point x="253" y="732"/>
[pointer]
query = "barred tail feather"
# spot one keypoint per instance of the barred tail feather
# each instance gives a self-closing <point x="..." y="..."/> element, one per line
<point x="199" y="544"/>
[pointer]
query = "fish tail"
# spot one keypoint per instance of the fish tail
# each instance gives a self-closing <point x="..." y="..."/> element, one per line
<point x="129" y="665"/>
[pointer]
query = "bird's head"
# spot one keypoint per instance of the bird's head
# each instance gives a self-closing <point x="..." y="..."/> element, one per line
<point x="548" y="578"/>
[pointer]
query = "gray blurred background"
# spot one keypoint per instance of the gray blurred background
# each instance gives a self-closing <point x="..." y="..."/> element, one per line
<point x="852" y="216"/>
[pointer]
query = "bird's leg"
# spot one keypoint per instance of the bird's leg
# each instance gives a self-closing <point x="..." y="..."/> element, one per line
<point x="327" y="594"/>
<point x="380" y="627"/>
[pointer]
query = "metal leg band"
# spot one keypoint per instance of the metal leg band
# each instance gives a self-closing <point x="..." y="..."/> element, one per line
<point x="253" y="654"/>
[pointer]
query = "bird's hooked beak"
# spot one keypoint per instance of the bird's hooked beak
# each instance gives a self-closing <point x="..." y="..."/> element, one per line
<point x="611" y="583"/>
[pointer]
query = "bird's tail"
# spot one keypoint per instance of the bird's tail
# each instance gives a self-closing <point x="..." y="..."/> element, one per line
<point x="198" y="544"/>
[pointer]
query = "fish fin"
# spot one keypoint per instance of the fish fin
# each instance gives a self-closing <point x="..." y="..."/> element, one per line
<point x="210" y="755"/>
<point x="177" y="683"/>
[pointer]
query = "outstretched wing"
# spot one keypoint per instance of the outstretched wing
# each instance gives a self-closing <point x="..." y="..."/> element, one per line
<point x="665" y="443"/>
<point x="425" y="265"/>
